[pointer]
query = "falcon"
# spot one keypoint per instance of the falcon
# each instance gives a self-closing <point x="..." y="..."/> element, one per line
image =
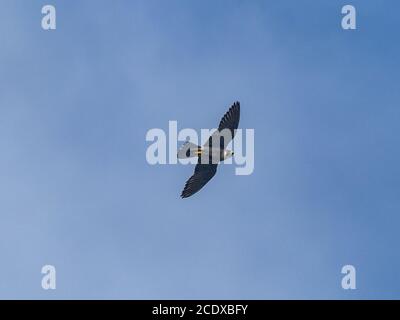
<point x="211" y="153"/>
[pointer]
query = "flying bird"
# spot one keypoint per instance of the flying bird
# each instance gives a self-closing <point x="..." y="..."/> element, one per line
<point x="211" y="153"/>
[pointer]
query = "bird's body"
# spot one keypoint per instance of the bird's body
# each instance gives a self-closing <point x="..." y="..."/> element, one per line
<point x="214" y="155"/>
<point x="213" y="151"/>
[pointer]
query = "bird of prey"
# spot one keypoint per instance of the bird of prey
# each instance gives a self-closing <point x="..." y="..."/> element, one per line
<point x="213" y="151"/>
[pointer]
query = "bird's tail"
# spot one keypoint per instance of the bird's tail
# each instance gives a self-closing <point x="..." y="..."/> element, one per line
<point x="189" y="150"/>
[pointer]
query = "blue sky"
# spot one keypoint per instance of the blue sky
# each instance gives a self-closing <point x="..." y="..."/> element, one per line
<point x="76" y="191"/>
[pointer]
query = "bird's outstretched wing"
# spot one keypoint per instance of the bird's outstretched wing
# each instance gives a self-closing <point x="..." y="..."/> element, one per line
<point x="229" y="123"/>
<point x="202" y="174"/>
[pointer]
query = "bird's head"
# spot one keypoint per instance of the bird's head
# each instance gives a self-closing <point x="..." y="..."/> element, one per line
<point x="228" y="154"/>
